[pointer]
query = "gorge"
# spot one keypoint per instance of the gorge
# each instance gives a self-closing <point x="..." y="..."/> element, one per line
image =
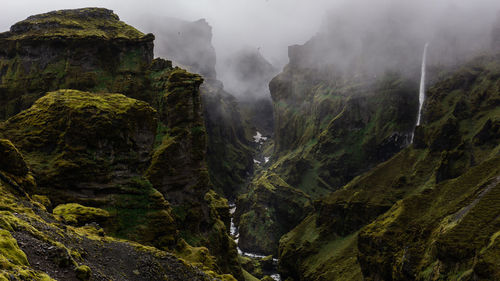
<point x="127" y="155"/>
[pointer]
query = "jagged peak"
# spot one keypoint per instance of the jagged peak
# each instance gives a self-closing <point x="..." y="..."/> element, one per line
<point x="75" y="23"/>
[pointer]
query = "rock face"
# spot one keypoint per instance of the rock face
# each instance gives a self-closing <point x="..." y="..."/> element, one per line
<point x="274" y="208"/>
<point x="36" y="247"/>
<point x="106" y="54"/>
<point x="111" y="152"/>
<point x="229" y="154"/>
<point x="187" y="43"/>
<point x="93" y="148"/>
<point x="427" y="213"/>
<point x="229" y="151"/>
<point x="330" y="127"/>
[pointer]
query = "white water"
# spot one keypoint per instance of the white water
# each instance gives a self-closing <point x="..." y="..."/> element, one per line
<point x="258" y="138"/>
<point x="234" y="233"/>
<point x="421" y="93"/>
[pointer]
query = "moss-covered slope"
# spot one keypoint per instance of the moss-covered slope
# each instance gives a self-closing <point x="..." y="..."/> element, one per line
<point x="36" y="246"/>
<point x="428" y="213"/>
<point x="111" y="151"/>
<point x="93" y="149"/>
<point x="329" y="131"/>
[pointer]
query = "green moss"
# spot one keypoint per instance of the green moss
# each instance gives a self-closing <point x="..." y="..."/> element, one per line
<point x="258" y="227"/>
<point x="11" y="160"/>
<point x="249" y="277"/>
<point x="83" y="272"/>
<point x="196" y="255"/>
<point x="334" y="258"/>
<point x="10" y="251"/>
<point x="76" y="214"/>
<point x="78" y="23"/>
<point x="427" y="212"/>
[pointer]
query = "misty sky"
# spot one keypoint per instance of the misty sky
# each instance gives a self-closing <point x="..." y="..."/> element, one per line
<point x="270" y="25"/>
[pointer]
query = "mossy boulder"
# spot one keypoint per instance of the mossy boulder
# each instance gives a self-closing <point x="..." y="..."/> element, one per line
<point x="71" y="137"/>
<point x="83" y="272"/>
<point x="10" y="251"/>
<point x="92" y="149"/>
<point x="78" y="215"/>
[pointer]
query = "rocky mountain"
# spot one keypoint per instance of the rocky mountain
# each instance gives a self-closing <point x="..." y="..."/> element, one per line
<point x="429" y="212"/>
<point x="345" y="103"/>
<point x="115" y="165"/>
<point x="329" y="126"/>
<point x="247" y="74"/>
<point x="133" y="162"/>
<point x="229" y="152"/>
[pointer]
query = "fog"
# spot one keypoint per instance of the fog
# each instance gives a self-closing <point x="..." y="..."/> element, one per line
<point x="371" y="35"/>
<point x="270" y="25"/>
<point x="390" y="34"/>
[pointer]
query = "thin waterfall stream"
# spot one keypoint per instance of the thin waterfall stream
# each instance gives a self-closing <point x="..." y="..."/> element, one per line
<point x="421" y="94"/>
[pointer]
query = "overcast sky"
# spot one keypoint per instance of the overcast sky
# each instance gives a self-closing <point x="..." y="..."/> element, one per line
<point x="270" y="25"/>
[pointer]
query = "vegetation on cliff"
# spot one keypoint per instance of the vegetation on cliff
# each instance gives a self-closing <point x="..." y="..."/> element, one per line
<point x="428" y="212"/>
<point x="106" y="160"/>
<point x="326" y="133"/>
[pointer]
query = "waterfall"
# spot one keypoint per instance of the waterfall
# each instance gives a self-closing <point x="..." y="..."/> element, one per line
<point x="421" y="93"/>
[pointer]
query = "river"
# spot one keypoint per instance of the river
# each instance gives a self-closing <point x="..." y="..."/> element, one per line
<point x="234" y="233"/>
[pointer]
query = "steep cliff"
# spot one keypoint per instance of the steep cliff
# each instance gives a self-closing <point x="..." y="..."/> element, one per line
<point x="330" y="126"/>
<point x="35" y="245"/>
<point x="246" y="74"/>
<point x="106" y="54"/>
<point x="110" y="151"/>
<point x="428" y="213"/>
<point x="229" y="153"/>
<point x="187" y="43"/>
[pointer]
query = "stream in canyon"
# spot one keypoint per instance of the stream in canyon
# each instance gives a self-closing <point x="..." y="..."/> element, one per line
<point x="234" y="233"/>
<point x="259" y="139"/>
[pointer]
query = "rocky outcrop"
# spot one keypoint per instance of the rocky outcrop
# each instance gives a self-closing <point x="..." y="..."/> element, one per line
<point x="93" y="149"/>
<point x="229" y="154"/>
<point x="105" y="54"/>
<point x="426" y="212"/>
<point x="37" y="247"/>
<point x="111" y="151"/>
<point x="188" y="44"/>
<point x="275" y="207"/>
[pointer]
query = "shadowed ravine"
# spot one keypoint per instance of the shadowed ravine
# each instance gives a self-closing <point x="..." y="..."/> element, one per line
<point x="234" y="233"/>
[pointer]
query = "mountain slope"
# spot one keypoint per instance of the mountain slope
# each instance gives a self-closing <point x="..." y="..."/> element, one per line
<point x="140" y="156"/>
<point x="427" y="213"/>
